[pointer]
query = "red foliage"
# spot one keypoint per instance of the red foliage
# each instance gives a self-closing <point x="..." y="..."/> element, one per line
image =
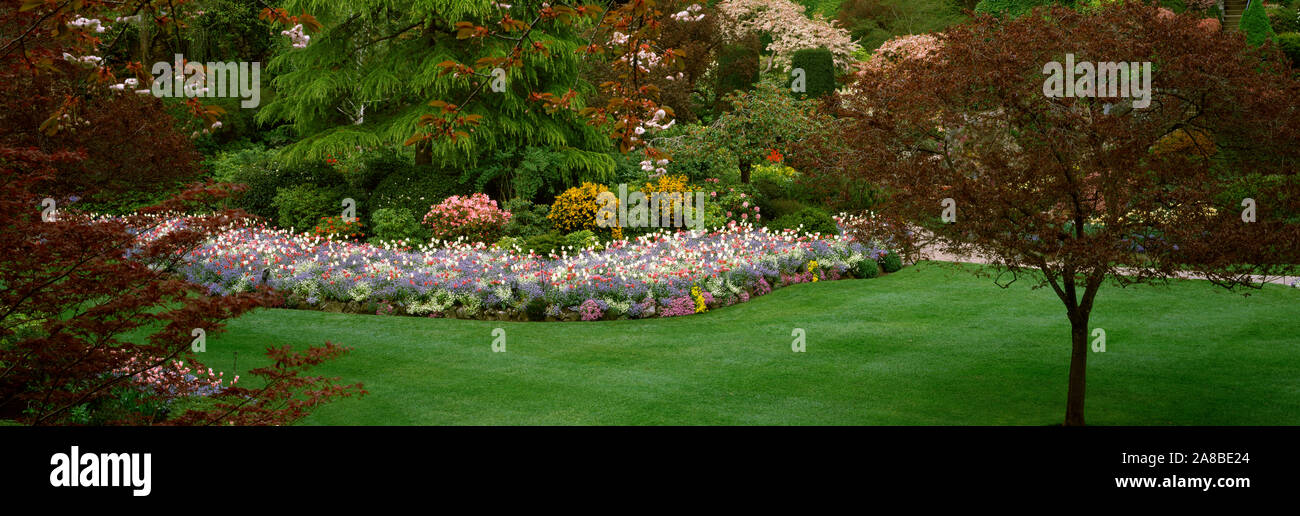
<point x="133" y="150"/>
<point x="75" y="291"/>
<point x="1070" y="192"/>
<point x="287" y="396"/>
<point x="132" y="147"/>
<point x="76" y="288"/>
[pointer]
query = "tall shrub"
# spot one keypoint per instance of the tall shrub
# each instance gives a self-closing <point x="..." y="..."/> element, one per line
<point x="1254" y="22"/>
<point x="818" y="66"/>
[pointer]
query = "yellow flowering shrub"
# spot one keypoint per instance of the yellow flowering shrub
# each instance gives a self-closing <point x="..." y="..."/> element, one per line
<point x="576" y="208"/>
<point x="778" y="173"/>
<point x="667" y="184"/>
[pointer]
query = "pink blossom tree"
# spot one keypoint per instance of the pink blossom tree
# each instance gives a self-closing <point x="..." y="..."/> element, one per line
<point x="791" y="30"/>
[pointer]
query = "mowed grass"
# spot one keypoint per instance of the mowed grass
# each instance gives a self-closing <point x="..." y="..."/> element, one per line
<point x="928" y="345"/>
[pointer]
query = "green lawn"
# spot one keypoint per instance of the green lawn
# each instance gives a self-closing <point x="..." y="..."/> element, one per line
<point x="924" y="346"/>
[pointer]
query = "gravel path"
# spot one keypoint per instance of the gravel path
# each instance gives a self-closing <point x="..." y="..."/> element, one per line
<point x="933" y="253"/>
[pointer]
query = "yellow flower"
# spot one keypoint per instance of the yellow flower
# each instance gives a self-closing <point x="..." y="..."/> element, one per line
<point x="700" y="306"/>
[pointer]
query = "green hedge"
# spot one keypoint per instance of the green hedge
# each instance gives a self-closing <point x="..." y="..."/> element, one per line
<point x="813" y="220"/>
<point x="1009" y="7"/>
<point x="819" y="68"/>
<point x="737" y="67"/>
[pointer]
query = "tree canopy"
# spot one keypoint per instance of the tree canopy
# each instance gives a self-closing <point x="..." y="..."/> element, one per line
<point x="370" y="73"/>
<point x="1071" y="191"/>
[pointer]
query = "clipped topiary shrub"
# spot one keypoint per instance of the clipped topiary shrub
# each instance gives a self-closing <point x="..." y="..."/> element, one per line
<point x="891" y="262"/>
<point x="818" y="66"/>
<point x="737" y="67"/>
<point x="1254" y="22"/>
<point x="812" y="220"/>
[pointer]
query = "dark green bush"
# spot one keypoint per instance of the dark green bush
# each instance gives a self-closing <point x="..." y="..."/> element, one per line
<point x="1009" y="7"/>
<point x="777" y="208"/>
<point x="813" y="220"/>
<point x="265" y="176"/>
<point x="301" y="207"/>
<point x="1290" y="44"/>
<point x="1282" y="19"/>
<point x="375" y="165"/>
<point x="818" y="65"/>
<point x="544" y="243"/>
<point x="866" y="269"/>
<point x="527" y="219"/>
<point x="536" y="309"/>
<point x="690" y="158"/>
<point x="737" y="67"/>
<point x="891" y="262"/>
<point x="414" y="188"/>
<point x="397" y="223"/>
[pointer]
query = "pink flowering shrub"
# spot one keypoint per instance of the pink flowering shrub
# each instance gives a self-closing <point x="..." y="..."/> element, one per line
<point x="174" y="376"/>
<point x="474" y="217"/>
<point x="590" y="310"/>
<point x="788" y="25"/>
<point x="901" y="48"/>
<point x="677" y="306"/>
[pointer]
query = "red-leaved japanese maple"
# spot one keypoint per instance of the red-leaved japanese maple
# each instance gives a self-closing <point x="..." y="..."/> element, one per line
<point x="1072" y="192"/>
<point x="77" y="291"/>
<point x="92" y="317"/>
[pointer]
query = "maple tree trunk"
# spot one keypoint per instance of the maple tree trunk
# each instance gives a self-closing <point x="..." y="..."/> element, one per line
<point x="423" y="153"/>
<point x="744" y="172"/>
<point x="1078" y="370"/>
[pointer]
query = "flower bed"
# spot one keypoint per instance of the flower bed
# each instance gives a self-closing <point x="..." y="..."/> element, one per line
<point x="658" y="275"/>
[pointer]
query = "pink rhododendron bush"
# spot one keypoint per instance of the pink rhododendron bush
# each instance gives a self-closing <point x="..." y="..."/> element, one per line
<point x="657" y="275"/>
<point x="474" y="217"/>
